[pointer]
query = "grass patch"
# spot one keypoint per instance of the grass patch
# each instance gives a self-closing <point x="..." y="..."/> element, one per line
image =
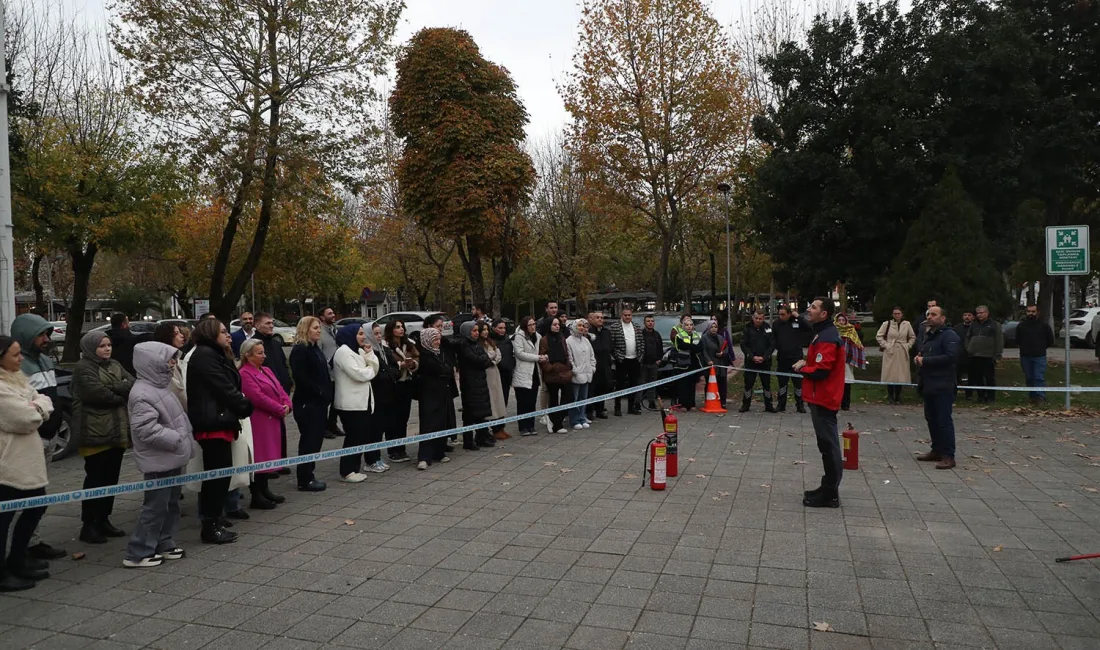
<point x="1009" y="373"/>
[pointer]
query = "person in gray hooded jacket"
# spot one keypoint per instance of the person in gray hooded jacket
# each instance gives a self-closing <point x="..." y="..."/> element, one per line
<point x="163" y="445"/>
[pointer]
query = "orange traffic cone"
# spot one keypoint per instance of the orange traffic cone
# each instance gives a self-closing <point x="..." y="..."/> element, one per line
<point x="712" y="405"/>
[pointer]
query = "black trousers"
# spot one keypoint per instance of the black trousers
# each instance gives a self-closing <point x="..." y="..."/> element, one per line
<point x="982" y="374"/>
<point x="332" y="412"/>
<point x="312" y="421"/>
<point x="961" y="372"/>
<point x="216" y="454"/>
<point x="599" y="386"/>
<point x="396" y="419"/>
<point x="893" y="392"/>
<point x="627" y="372"/>
<point x="526" y="398"/>
<point x="685" y="390"/>
<point x="26" y="521"/>
<point x="750" y="381"/>
<point x="100" y="470"/>
<point x="846" y="401"/>
<point x="506" y="386"/>
<point x="558" y="395"/>
<point x="828" y="443"/>
<point x="783" y="364"/>
<point x="357" y="431"/>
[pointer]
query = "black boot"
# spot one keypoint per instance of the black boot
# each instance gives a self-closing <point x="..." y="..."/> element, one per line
<point x="265" y="489"/>
<point x="619" y="409"/>
<point x="213" y="533"/>
<point x="108" y="529"/>
<point x="10" y="582"/>
<point x="781" y="406"/>
<point x="768" y="403"/>
<point x="90" y="534"/>
<point x="20" y="567"/>
<point x="825" y="498"/>
<point x="259" y="501"/>
<point x="744" y="406"/>
<point x="800" y="406"/>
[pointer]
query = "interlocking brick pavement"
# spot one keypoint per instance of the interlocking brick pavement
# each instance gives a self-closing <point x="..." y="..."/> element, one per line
<point x="550" y="542"/>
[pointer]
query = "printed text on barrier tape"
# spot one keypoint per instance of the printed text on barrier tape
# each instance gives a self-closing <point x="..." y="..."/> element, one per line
<point x="154" y="484"/>
<point x="865" y="382"/>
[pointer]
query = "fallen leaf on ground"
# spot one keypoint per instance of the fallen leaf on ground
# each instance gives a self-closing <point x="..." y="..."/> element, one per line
<point x="799" y="462"/>
<point x="998" y="548"/>
<point x="886" y="482"/>
<point x="822" y="627"/>
<point x="741" y="453"/>
<point x="716" y="498"/>
<point x="504" y="456"/>
<point x="700" y="476"/>
<point x="710" y="435"/>
<point x="565" y="470"/>
<point x="326" y="519"/>
<point x="1011" y="463"/>
<point x="1035" y="457"/>
<point x="691" y="460"/>
<point x="1085" y="456"/>
<point x="1091" y="489"/>
<point x="630" y="476"/>
<point x="723" y="494"/>
<point x="1062" y="504"/>
<point x="921" y="441"/>
<point x="506" y="483"/>
<point x="549" y="463"/>
<point x="78" y="556"/>
<point x="977" y="456"/>
<point x="734" y="426"/>
<point x="349" y="522"/>
<point x="892" y="466"/>
<point x="766" y="485"/>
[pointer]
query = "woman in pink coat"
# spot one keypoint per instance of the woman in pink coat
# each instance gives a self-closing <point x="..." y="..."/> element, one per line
<point x="270" y="406"/>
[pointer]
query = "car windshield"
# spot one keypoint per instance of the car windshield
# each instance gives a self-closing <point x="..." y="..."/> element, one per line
<point x="1078" y="313"/>
<point x="279" y="323"/>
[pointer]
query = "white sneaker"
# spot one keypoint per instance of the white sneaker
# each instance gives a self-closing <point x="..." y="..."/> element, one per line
<point x="549" y="425"/>
<point x="562" y="430"/>
<point x="578" y="427"/>
<point x="422" y="465"/>
<point x="176" y="553"/>
<point x="446" y="459"/>
<point x="385" y="465"/>
<point x="354" y="477"/>
<point x="144" y="563"/>
<point x="376" y="468"/>
<point x="587" y="425"/>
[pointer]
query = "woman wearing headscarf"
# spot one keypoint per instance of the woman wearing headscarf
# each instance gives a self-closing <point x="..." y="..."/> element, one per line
<point x="312" y="396"/>
<point x="384" y="388"/>
<point x="401" y="355"/>
<point x="715" y="352"/>
<point x="215" y="406"/>
<point x="260" y="385"/>
<point x="354" y="366"/>
<point x="492" y="378"/>
<point x="525" y="343"/>
<point x="557" y="372"/>
<point x="22" y="468"/>
<point x="582" y="358"/>
<point x="853" y="353"/>
<point x="436" y="403"/>
<point x="507" y="367"/>
<point x="473" y="362"/>
<point x="100" y="388"/>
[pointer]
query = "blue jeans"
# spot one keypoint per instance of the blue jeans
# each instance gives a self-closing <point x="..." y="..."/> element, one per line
<point x="577" y="413"/>
<point x="941" y="428"/>
<point x="1035" y="371"/>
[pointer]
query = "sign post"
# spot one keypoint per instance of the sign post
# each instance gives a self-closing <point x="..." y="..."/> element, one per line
<point x="1067" y="254"/>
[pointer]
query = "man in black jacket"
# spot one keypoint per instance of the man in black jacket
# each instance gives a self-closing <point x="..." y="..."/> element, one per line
<point x="601" y="381"/>
<point x="654" y="351"/>
<point x="791" y="333"/>
<point x="1034" y="337"/>
<point x="936" y="360"/>
<point x="543" y="325"/>
<point x="757" y="344"/>
<point x="122" y="341"/>
<point x="962" y="329"/>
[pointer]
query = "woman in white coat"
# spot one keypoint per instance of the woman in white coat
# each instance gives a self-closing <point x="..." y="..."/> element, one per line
<point x="895" y="338"/>
<point x="354" y="366"/>
<point x="526" y="378"/>
<point x="583" y="358"/>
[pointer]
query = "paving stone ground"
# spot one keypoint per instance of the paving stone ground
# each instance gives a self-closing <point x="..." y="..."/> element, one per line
<point x="551" y="542"/>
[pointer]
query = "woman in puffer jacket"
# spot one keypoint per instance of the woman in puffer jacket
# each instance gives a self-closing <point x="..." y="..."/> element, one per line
<point x="526" y="380"/>
<point x="100" y="388"/>
<point x="354" y="366"/>
<point x="163" y="445"/>
<point x="583" y="358"/>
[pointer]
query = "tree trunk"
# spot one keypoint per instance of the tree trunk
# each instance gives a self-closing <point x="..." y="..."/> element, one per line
<point x="39" y="301"/>
<point x="83" y="259"/>
<point x="662" y="269"/>
<point x="470" y="254"/>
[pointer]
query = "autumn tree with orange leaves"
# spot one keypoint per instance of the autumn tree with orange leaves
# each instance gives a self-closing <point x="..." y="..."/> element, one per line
<point x="660" y="111"/>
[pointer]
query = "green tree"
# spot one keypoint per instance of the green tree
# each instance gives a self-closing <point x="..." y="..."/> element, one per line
<point x="247" y="84"/>
<point x="659" y="105"/>
<point x="463" y="172"/>
<point x="946" y="256"/>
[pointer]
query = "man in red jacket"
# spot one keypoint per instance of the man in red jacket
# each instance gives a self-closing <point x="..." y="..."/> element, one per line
<point x="823" y="390"/>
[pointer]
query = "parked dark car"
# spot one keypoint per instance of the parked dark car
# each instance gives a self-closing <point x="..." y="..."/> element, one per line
<point x="664" y="322"/>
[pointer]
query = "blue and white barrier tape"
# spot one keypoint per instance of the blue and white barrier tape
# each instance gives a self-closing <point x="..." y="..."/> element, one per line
<point x="154" y="484"/>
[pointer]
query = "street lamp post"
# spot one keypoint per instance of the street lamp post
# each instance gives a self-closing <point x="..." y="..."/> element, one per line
<point x="724" y="188"/>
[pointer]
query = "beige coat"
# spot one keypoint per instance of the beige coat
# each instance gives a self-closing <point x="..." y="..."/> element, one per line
<point x="22" y="410"/>
<point x="895" y="342"/>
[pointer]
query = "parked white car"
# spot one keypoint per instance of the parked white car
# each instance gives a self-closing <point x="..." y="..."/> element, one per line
<point x="58" y="334"/>
<point x="414" y="321"/>
<point x="1084" y="326"/>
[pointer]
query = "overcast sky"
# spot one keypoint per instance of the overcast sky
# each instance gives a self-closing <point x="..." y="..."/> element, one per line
<point x="533" y="39"/>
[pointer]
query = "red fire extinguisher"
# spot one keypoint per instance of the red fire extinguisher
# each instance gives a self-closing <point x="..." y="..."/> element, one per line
<point x="672" y="431"/>
<point x="657" y="455"/>
<point x="850" y="447"/>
